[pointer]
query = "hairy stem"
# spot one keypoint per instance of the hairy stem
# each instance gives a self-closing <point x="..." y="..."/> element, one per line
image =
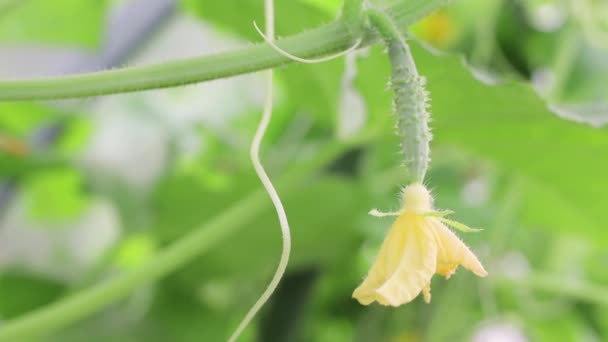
<point x="329" y="39"/>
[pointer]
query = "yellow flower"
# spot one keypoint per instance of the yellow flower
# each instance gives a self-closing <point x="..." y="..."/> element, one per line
<point x="417" y="246"/>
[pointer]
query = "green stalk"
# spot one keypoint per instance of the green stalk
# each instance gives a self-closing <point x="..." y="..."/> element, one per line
<point x="352" y="15"/>
<point x="58" y="315"/>
<point x="329" y="39"/>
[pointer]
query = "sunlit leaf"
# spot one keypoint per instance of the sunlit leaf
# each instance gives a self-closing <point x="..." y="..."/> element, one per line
<point x="65" y="22"/>
<point x="56" y="194"/>
<point x="21" y="292"/>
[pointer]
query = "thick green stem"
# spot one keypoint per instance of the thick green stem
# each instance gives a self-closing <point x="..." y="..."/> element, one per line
<point x="325" y="40"/>
<point x="80" y="305"/>
<point x="352" y="15"/>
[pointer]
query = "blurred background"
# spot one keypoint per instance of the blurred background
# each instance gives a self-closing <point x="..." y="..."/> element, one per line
<point x="93" y="188"/>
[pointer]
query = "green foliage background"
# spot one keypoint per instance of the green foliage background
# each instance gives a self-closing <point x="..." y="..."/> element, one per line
<point x="544" y="241"/>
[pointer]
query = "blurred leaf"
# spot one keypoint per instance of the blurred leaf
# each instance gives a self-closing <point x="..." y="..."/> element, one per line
<point x="286" y="314"/>
<point x="21" y="118"/>
<point x="561" y="329"/>
<point x="12" y="165"/>
<point x="176" y="316"/>
<point x="20" y="137"/>
<point x="601" y="313"/>
<point x="372" y="78"/>
<point x="457" y="292"/>
<point x="330" y="6"/>
<point x="587" y="78"/>
<point x="134" y="251"/>
<point x="512" y="126"/>
<point x="322" y="234"/>
<point x="20" y="293"/>
<point x="185" y="199"/>
<point x="67" y="22"/>
<point x="75" y="134"/>
<point x="237" y="16"/>
<point x="337" y="330"/>
<point x="56" y="194"/>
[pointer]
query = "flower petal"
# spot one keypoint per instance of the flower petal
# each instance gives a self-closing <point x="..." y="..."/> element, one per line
<point x="385" y="264"/>
<point x="453" y="252"/>
<point x="404" y="266"/>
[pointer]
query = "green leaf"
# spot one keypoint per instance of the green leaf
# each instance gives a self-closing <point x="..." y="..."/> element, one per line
<point x="567" y="328"/>
<point x="21" y="118"/>
<point x="134" y="251"/>
<point x="330" y="6"/>
<point x="17" y="165"/>
<point x="71" y="22"/>
<point x="177" y="315"/>
<point x="322" y="234"/>
<point x="511" y="125"/>
<point x="21" y="292"/>
<point x="56" y="194"/>
<point x="76" y="133"/>
<point x="19" y="122"/>
<point x="371" y="81"/>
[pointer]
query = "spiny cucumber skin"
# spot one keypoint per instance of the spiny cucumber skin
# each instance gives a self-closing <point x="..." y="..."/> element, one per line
<point x="410" y="105"/>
